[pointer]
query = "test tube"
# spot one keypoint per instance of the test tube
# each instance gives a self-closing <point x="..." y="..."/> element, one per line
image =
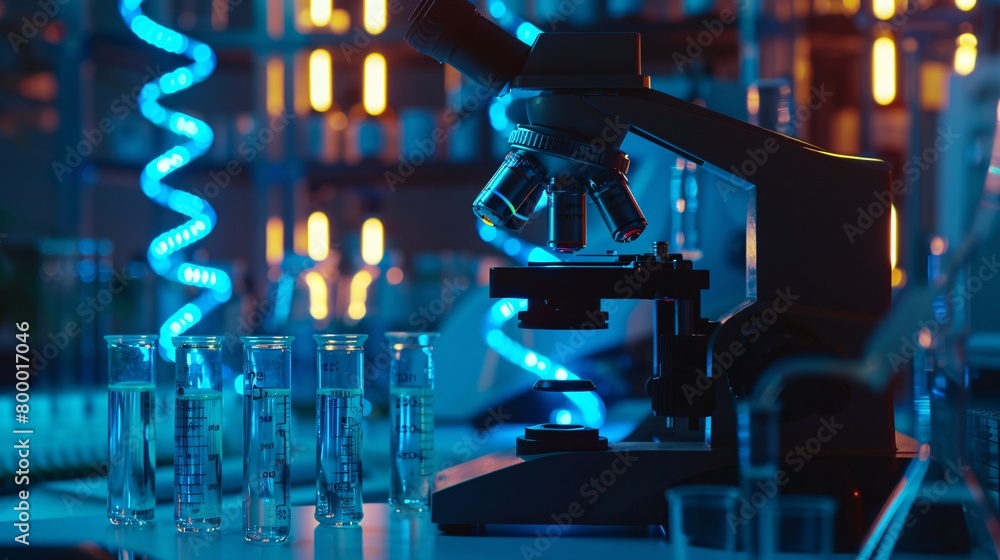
<point x="267" y="377"/>
<point x="131" y="430"/>
<point x="411" y="423"/>
<point x="340" y="362"/>
<point x="198" y="434"/>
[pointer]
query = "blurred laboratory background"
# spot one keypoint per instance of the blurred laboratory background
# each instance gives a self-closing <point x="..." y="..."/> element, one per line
<point x="312" y="173"/>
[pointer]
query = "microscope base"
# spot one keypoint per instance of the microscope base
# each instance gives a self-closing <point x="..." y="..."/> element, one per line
<point x="626" y="485"/>
<point x="623" y="485"/>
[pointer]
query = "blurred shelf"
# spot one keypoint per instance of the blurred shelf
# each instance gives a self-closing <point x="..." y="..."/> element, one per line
<point x="318" y="175"/>
<point x="432" y="174"/>
<point x="259" y="41"/>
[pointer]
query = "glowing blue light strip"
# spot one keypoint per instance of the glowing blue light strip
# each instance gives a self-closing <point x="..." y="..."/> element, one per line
<point x="590" y="405"/>
<point x="163" y="253"/>
<point x="526" y="31"/>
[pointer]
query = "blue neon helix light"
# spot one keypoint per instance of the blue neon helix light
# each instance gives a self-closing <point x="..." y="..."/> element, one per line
<point x="590" y="407"/>
<point x="164" y="251"/>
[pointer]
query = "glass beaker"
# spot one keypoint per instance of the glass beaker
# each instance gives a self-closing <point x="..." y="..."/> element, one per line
<point x="267" y="392"/>
<point x="198" y="433"/>
<point x="340" y="360"/>
<point x="411" y="423"/>
<point x="131" y="429"/>
<point x="702" y="516"/>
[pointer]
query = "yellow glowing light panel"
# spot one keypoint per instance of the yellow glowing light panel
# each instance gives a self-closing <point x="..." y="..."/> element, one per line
<point x="359" y="285"/>
<point x="275" y="86"/>
<point x="318" y="228"/>
<point x="372" y="241"/>
<point x="274" y="234"/>
<point x="320" y="80"/>
<point x="376" y="16"/>
<point x="753" y="100"/>
<point x="965" y="54"/>
<point x="318" y="297"/>
<point x="357" y="309"/>
<point x="374" y="85"/>
<point x="884" y="70"/>
<point x="884" y="9"/>
<point x="320" y="11"/>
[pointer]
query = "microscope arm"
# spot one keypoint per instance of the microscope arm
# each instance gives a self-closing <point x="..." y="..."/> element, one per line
<point x="818" y="273"/>
<point x="720" y="140"/>
<point x="803" y="203"/>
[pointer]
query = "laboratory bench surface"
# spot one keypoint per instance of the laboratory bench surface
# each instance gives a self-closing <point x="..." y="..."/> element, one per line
<point x="383" y="534"/>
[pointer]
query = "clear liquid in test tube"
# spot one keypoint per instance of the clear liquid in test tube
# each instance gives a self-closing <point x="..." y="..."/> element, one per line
<point x="131" y="429"/>
<point x="267" y="391"/>
<point x="411" y="420"/>
<point x="339" y="413"/>
<point x="198" y="434"/>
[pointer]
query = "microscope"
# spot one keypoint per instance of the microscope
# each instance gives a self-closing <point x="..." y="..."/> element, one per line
<point x="810" y="288"/>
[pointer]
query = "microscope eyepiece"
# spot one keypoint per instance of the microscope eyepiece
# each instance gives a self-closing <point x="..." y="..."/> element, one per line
<point x="510" y="197"/>
<point x="454" y="32"/>
<point x="610" y="193"/>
